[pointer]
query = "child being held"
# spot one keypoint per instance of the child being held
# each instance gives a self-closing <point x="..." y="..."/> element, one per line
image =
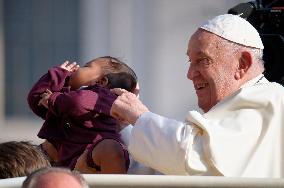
<point x="75" y="103"/>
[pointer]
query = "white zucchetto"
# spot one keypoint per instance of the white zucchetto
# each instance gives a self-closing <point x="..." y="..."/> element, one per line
<point x="235" y="29"/>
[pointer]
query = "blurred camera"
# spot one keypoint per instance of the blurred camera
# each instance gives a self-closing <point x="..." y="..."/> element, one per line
<point x="267" y="16"/>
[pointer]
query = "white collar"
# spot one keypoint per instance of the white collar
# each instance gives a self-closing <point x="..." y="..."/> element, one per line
<point x="253" y="81"/>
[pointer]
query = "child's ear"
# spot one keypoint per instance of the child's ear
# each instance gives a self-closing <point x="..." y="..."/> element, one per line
<point x="103" y="81"/>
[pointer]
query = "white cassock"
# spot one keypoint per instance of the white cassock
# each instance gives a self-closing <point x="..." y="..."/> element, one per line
<point x="241" y="136"/>
<point x="134" y="166"/>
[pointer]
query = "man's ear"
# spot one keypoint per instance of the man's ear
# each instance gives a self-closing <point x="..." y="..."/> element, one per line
<point x="244" y="64"/>
<point x="103" y="81"/>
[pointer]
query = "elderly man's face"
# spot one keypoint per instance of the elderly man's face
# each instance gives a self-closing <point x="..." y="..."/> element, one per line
<point x="212" y="68"/>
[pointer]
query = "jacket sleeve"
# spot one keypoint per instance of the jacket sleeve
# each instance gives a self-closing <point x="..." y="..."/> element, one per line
<point x="54" y="80"/>
<point x="160" y="143"/>
<point x="80" y="104"/>
<point x="169" y="146"/>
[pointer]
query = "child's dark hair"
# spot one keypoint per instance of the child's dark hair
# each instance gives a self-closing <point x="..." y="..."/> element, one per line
<point x="120" y="75"/>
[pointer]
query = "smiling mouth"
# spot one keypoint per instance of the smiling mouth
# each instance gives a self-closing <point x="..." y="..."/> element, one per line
<point x="200" y="86"/>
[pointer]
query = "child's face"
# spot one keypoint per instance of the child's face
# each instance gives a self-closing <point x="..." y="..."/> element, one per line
<point x="88" y="74"/>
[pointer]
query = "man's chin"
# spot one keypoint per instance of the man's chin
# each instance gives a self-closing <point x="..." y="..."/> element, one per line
<point x="205" y="108"/>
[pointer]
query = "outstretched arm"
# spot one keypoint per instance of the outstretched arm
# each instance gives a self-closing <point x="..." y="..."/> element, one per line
<point x="155" y="141"/>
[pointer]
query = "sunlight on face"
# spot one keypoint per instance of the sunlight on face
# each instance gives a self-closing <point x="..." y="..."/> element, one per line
<point x="212" y="68"/>
<point x="88" y="74"/>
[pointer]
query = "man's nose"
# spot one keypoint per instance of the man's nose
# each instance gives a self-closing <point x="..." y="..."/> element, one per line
<point x="192" y="72"/>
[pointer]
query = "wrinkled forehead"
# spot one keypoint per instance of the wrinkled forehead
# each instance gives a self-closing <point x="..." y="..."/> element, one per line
<point x="202" y="41"/>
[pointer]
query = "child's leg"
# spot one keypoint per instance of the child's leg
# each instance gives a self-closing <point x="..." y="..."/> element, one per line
<point x="49" y="150"/>
<point x="82" y="164"/>
<point x="106" y="157"/>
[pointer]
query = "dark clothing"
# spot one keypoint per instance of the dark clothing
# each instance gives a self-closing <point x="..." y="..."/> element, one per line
<point x="74" y="119"/>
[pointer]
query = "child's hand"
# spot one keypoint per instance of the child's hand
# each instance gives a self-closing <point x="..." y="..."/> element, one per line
<point x="44" y="98"/>
<point x="71" y="67"/>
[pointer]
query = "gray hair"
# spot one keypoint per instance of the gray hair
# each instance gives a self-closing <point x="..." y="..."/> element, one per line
<point x="32" y="179"/>
<point x="256" y="52"/>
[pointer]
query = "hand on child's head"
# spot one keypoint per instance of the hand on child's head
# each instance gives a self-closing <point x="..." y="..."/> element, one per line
<point x="71" y="67"/>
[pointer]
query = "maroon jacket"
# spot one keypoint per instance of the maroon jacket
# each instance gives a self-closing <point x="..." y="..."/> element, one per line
<point x="74" y="119"/>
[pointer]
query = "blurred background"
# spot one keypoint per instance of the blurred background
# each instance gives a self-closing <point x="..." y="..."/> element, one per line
<point x="149" y="35"/>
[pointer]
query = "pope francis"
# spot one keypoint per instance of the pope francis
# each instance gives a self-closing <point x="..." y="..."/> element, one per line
<point x="240" y="133"/>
